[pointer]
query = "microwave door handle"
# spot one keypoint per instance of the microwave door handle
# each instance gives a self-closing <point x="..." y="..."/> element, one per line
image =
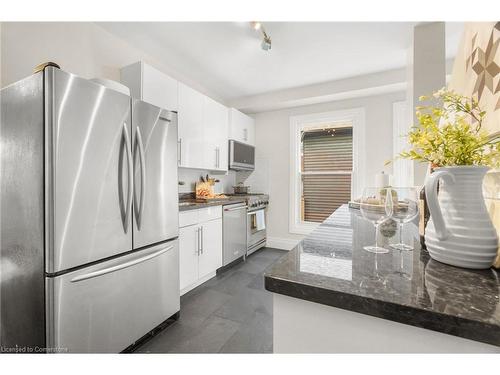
<point x="128" y="148"/>
<point x="118" y="267"/>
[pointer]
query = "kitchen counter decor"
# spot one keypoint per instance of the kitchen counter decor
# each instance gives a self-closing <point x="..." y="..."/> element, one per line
<point x="449" y="137"/>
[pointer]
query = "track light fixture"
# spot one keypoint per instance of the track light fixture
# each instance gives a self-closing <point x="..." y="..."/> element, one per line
<point x="266" y="39"/>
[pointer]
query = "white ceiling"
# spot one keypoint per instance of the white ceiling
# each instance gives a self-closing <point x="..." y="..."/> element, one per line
<point x="226" y="58"/>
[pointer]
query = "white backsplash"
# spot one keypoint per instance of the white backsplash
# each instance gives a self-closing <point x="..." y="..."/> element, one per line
<point x="191" y="176"/>
<point x="258" y="180"/>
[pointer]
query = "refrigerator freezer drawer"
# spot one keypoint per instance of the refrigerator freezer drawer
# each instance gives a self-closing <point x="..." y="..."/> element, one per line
<point x="108" y="306"/>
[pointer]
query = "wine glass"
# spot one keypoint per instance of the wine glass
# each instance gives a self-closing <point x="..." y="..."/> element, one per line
<point x="376" y="206"/>
<point x="405" y="209"/>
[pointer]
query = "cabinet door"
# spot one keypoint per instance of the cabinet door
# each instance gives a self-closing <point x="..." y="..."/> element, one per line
<point x="211" y="254"/>
<point x="159" y="89"/>
<point x="216" y="129"/>
<point x="188" y="255"/>
<point x="191" y="134"/>
<point x="242" y="128"/>
<point x="222" y="140"/>
<point x="250" y="130"/>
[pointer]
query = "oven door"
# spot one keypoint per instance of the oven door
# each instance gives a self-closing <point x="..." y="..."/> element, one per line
<point x="256" y="232"/>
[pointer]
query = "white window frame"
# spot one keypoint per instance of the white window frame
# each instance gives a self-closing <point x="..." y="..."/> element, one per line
<point x="355" y="116"/>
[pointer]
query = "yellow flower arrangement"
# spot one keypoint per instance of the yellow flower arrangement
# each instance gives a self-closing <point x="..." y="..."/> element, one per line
<point x="450" y="134"/>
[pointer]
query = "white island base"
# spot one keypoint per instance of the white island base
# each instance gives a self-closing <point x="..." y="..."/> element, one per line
<point x="301" y="326"/>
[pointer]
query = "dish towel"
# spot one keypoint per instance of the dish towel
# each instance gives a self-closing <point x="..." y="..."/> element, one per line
<point x="261" y="220"/>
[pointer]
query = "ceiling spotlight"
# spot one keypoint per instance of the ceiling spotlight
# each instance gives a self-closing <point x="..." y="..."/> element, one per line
<point x="256" y="25"/>
<point x="266" y="43"/>
<point x="266" y="39"/>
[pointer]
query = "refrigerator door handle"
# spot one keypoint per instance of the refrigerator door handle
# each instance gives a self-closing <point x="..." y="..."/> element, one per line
<point x="118" y="267"/>
<point x="142" y="158"/>
<point x="130" y="191"/>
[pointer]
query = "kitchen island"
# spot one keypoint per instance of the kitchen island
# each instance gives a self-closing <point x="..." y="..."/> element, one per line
<point x="330" y="295"/>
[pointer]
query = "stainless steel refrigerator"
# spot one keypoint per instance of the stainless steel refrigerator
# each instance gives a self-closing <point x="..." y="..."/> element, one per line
<point x="89" y="216"/>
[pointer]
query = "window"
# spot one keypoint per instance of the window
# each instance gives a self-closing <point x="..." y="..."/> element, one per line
<point x="326" y="170"/>
<point x="326" y="164"/>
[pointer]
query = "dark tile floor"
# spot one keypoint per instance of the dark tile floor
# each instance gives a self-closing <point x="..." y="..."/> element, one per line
<point x="230" y="313"/>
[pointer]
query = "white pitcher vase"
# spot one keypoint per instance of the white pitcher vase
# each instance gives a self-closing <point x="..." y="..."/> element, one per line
<point x="460" y="231"/>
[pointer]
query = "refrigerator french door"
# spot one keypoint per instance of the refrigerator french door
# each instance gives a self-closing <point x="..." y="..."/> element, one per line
<point x="155" y="174"/>
<point x="96" y="217"/>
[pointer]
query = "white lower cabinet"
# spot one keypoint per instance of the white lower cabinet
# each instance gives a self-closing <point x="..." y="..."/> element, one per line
<point x="188" y="255"/>
<point x="211" y="248"/>
<point x="200" y="246"/>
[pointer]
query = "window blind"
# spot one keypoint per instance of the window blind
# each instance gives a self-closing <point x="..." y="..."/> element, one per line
<point x="326" y="169"/>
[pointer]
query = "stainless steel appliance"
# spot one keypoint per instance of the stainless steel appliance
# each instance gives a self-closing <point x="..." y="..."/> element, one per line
<point x="256" y="220"/>
<point x="241" y="156"/>
<point x="89" y="219"/>
<point x="234" y="232"/>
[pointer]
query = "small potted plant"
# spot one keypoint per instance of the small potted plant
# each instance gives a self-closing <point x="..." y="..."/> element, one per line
<point x="450" y="137"/>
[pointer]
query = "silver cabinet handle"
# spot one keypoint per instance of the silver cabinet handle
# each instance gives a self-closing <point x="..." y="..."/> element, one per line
<point x="218" y="157"/>
<point x="179" y="151"/>
<point x="201" y="239"/>
<point x="235" y="209"/>
<point x="197" y="252"/>
<point x="142" y="159"/>
<point x="130" y="191"/>
<point x="216" y="162"/>
<point x="245" y="136"/>
<point x="118" y="267"/>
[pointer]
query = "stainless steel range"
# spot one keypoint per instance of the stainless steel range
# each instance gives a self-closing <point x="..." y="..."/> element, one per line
<point x="256" y="220"/>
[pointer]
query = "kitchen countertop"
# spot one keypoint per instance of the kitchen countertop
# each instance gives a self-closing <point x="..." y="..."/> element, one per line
<point x="197" y="205"/>
<point x="330" y="267"/>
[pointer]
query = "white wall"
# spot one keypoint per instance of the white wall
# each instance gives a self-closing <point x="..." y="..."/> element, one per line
<point x="272" y="145"/>
<point x="82" y="48"/>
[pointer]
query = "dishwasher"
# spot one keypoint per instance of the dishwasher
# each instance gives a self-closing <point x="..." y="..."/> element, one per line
<point x="234" y="232"/>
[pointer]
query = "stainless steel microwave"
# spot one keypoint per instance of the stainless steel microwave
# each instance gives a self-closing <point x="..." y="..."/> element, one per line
<point x="241" y="156"/>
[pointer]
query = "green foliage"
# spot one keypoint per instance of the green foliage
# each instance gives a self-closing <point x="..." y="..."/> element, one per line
<point x="450" y="133"/>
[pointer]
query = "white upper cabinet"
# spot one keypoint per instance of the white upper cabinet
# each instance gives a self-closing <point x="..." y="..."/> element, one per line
<point x="190" y="118"/>
<point x="151" y="85"/>
<point x="203" y="129"/>
<point x="241" y="127"/>
<point x="216" y="122"/>
<point x="203" y="123"/>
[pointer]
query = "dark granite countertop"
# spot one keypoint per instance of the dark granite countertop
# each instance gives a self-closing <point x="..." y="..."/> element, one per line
<point x="191" y="204"/>
<point x="330" y="267"/>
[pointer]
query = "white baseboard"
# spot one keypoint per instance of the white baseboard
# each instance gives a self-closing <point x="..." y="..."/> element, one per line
<point x="197" y="283"/>
<point x="281" y="243"/>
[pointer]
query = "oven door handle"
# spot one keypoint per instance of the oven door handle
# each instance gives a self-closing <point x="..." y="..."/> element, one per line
<point x="255" y="212"/>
